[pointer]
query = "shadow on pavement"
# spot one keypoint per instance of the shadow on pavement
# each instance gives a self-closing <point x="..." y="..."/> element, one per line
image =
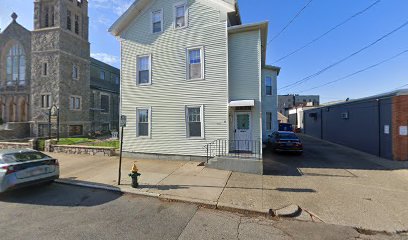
<point x="318" y="155"/>
<point x="59" y="195"/>
<point x="172" y="187"/>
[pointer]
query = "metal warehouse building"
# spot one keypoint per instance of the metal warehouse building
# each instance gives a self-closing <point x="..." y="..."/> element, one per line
<point x="377" y="125"/>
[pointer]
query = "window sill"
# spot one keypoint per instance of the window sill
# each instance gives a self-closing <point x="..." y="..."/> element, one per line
<point x="195" y="79"/>
<point x="143" y="84"/>
<point x="180" y="28"/>
<point x="143" y="137"/>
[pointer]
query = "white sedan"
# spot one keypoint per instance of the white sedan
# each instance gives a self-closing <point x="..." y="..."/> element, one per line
<point x="25" y="167"/>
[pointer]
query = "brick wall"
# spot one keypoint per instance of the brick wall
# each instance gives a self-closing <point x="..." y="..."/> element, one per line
<point x="400" y="118"/>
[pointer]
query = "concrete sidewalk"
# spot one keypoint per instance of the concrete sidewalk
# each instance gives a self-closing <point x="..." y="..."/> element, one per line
<point x="367" y="199"/>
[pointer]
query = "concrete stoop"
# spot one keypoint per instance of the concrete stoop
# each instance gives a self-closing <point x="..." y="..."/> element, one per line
<point x="244" y="165"/>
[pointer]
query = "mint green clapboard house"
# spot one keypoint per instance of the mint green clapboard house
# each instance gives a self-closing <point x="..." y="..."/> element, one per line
<point x="195" y="84"/>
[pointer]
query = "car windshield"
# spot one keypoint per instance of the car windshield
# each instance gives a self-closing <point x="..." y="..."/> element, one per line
<point x="287" y="136"/>
<point x="22" y="157"/>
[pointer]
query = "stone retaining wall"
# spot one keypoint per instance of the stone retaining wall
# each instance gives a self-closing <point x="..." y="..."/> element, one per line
<point x="77" y="149"/>
<point x="18" y="145"/>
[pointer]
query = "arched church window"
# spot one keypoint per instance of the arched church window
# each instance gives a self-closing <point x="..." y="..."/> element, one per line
<point x="16" y="66"/>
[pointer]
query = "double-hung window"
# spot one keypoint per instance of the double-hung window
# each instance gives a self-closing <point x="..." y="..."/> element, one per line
<point x="144" y="70"/>
<point x="75" y="103"/>
<point x="102" y="75"/>
<point x="195" y="63"/>
<point x="105" y="103"/>
<point x="268" y="86"/>
<point x="180" y="16"/>
<point x="157" y="21"/>
<point x="268" y="121"/>
<point x="46" y="101"/>
<point x="75" y="72"/>
<point x="194" y="120"/>
<point x="143" y="122"/>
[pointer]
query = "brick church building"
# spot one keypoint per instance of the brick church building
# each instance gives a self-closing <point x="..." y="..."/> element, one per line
<point x="51" y="66"/>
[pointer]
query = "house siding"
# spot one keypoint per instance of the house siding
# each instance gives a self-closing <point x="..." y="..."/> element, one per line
<point x="170" y="92"/>
<point x="269" y="103"/>
<point x="245" y="75"/>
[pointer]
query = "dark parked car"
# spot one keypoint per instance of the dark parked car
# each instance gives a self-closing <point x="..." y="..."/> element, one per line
<point x="285" y="127"/>
<point x="282" y="141"/>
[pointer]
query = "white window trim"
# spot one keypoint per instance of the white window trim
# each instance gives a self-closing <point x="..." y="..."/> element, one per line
<point x="80" y="103"/>
<point x="266" y="90"/>
<point x="202" y="57"/>
<point x="100" y="102"/>
<point x="150" y="70"/>
<point x="150" y="122"/>
<point x="72" y="72"/>
<point x="151" y="21"/>
<point x="201" y="119"/>
<point x="178" y="4"/>
<point x="46" y="94"/>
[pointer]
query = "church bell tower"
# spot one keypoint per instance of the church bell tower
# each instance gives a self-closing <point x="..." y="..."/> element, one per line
<point x="61" y="65"/>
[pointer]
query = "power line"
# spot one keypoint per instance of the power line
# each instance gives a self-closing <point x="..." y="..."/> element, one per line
<point x="290" y="22"/>
<point x="357" y="72"/>
<point x="329" y="31"/>
<point x="401" y="87"/>
<point x="346" y="58"/>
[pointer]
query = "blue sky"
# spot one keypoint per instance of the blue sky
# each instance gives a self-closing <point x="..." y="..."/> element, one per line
<point x="317" y="18"/>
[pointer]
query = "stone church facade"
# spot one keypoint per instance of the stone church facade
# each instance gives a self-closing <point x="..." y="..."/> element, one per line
<point x="51" y="66"/>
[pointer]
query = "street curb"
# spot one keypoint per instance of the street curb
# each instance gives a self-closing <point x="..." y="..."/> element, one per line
<point x="233" y="208"/>
<point x="203" y="203"/>
<point x="112" y="189"/>
<point x="171" y="198"/>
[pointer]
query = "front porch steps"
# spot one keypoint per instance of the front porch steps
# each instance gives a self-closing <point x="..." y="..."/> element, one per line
<point x="244" y="165"/>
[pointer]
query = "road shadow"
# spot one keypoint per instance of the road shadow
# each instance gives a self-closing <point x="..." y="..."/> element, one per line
<point x="59" y="195"/>
<point x="321" y="155"/>
<point x="184" y="186"/>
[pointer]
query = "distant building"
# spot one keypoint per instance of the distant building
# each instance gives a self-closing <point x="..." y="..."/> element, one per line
<point x="286" y="102"/>
<point x="51" y="66"/>
<point x="104" y="111"/>
<point x="377" y="125"/>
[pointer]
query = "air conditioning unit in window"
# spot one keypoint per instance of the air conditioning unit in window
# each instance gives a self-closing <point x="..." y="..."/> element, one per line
<point x="345" y="115"/>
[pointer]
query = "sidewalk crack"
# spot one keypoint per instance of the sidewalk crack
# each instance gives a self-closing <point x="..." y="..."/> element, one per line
<point x="239" y="226"/>
<point x="225" y="186"/>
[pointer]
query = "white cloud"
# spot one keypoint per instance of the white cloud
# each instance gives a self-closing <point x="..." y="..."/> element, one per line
<point x="106" y="58"/>
<point x="117" y="6"/>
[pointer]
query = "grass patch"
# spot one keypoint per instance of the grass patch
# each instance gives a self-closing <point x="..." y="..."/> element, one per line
<point x="89" y="142"/>
<point x="74" y="141"/>
<point x="110" y="143"/>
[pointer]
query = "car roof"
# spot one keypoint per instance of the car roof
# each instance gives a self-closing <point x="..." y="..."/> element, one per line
<point x="10" y="151"/>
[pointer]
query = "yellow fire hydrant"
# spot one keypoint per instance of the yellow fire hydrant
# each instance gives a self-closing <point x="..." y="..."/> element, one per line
<point x="134" y="175"/>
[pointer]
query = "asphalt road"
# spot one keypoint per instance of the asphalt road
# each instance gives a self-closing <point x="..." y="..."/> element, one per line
<point x="318" y="155"/>
<point x="66" y="212"/>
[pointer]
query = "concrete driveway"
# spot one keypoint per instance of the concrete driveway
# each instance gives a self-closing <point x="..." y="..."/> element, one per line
<point x="340" y="185"/>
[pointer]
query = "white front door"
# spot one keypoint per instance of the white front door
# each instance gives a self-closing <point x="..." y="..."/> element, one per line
<point x="243" y="131"/>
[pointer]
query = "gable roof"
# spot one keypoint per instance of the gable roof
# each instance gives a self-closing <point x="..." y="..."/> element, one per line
<point x="138" y="5"/>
